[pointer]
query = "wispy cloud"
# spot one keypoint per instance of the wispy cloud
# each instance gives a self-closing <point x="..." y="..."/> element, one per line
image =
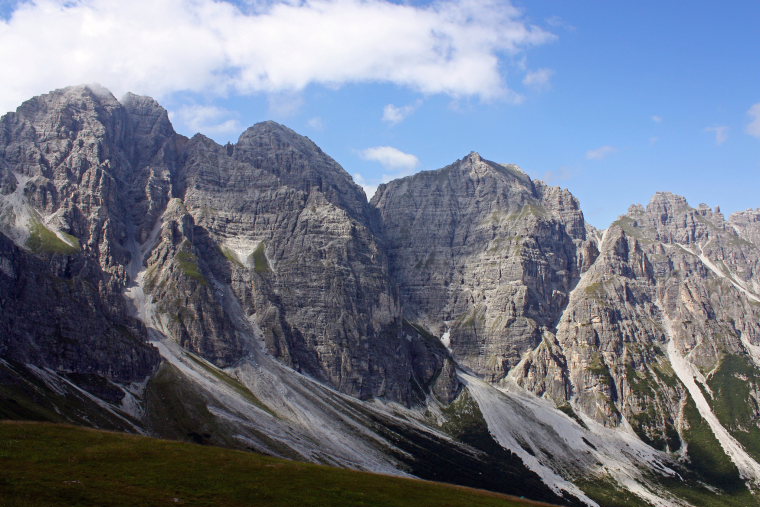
<point x="394" y="114"/>
<point x="217" y="47"/>
<point x="753" y="128"/>
<point x="600" y="153"/>
<point x="721" y="133"/>
<point x="657" y="118"/>
<point x="391" y="158"/>
<point x="209" y="120"/>
<point x="316" y="123"/>
<point x="538" y="79"/>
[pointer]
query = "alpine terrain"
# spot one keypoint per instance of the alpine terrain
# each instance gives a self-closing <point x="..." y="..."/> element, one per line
<point x="466" y="325"/>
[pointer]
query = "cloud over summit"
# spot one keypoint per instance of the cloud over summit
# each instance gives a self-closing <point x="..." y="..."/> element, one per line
<point x="217" y="47"/>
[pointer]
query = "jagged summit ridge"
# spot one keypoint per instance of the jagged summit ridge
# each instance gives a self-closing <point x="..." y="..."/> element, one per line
<point x="467" y="324"/>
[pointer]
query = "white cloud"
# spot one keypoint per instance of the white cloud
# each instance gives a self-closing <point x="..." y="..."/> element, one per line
<point x="316" y="123"/>
<point x="600" y="153"/>
<point x="366" y="186"/>
<point x="657" y="118"/>
<point x="396" y="162"/>
<point x="391" y="158"/>
<point x="216" y="47"/>
<point x="208" y="120"/>
<point x="753" y="128"/>
<point x="721" y="133"/>
<point x="394" y="114"/>
<point x="284" y="104"/>
<point x="538" y="79"/>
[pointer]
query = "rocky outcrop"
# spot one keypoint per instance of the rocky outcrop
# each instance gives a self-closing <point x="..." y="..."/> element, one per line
<point x="304" y="260"/>
<point x="483" y="256"/>
<point x="263" y="261"/>
<point x="271" y="222"/>
<point x="62" y="323"/>
<point x="666" y="273"/>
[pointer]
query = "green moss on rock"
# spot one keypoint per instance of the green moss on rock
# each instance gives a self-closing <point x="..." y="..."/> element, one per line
<point x="43" y="240"/>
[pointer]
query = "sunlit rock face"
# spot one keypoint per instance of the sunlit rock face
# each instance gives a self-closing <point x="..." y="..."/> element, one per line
<point x="484" y="255"/>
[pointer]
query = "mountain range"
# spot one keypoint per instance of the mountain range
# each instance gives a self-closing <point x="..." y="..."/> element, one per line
<point x="466" y="325"/>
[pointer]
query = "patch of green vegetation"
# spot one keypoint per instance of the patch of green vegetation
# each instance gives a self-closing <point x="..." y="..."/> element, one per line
<point x="474" y="317"/>
<point x="732" y="385"/>
<point x="706" y="456"/>
<point x="463" y="416"/>
<point x="652" y="428"/>
<point x="596" y="290"/>
<point x="230" y="255"/>
<point x="529" y="209"/>
<point x="665" y="373"/>
<point x="629" y="226"/>
<point x="599" y="369"/>
<point x="57" y="465"/>
<point x="260" y="263"/>
<point x="188" y="263"/>
<point x="607" y="492"/>
<point x="43" y="240"/>
<point x="229" y="380"/>
<point x="567" y="409"/>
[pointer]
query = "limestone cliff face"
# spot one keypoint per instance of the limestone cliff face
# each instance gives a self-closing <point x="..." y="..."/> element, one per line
<point x="747" y="225"/>
<point x="506" y="271"/>
<point x="269" y="237"/>
<point x="293" y="236"/>
<point x="270" y="227"/>
<point x="72" y="177"/>
<point x="484" y="256"/>
<point x="668" y="275"/>
<point x="91" y="167"/>
<point x="61" y="322"/>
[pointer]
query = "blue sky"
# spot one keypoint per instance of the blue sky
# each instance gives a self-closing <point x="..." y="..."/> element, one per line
<point x="613" y="100"/>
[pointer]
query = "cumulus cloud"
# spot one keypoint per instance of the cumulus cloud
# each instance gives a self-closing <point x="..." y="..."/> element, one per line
<point x="217" y="47"/>
<point x="209" y="120"/>
<point x="394" y="114"/>
<point x="538" y="79"/>
<point x="753" y="128"/>
<point x="721" y="133"/>
<point x="600" y="153"/>
<point x="396" y="163"/>
<point x="391" y="158"/>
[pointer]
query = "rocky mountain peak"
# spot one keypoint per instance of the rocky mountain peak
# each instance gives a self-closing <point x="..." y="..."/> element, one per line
<point x="747" y="225"/>
<point x="296" y="162"/>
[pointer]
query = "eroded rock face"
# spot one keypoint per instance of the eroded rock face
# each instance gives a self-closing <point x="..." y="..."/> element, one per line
<point x="76" y="166"/>
<point x="60" y="322"/>
<point x="271" y="229"/>
<point x="272" y="233"/>
<point x="667" y="272"/>
<point x="484" y="254"/>
<point x="506" y="271"/>
<point x="305" y="262"/>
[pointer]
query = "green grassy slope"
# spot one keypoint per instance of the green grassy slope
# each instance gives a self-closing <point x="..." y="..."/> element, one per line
<point x="55" y="465"/>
